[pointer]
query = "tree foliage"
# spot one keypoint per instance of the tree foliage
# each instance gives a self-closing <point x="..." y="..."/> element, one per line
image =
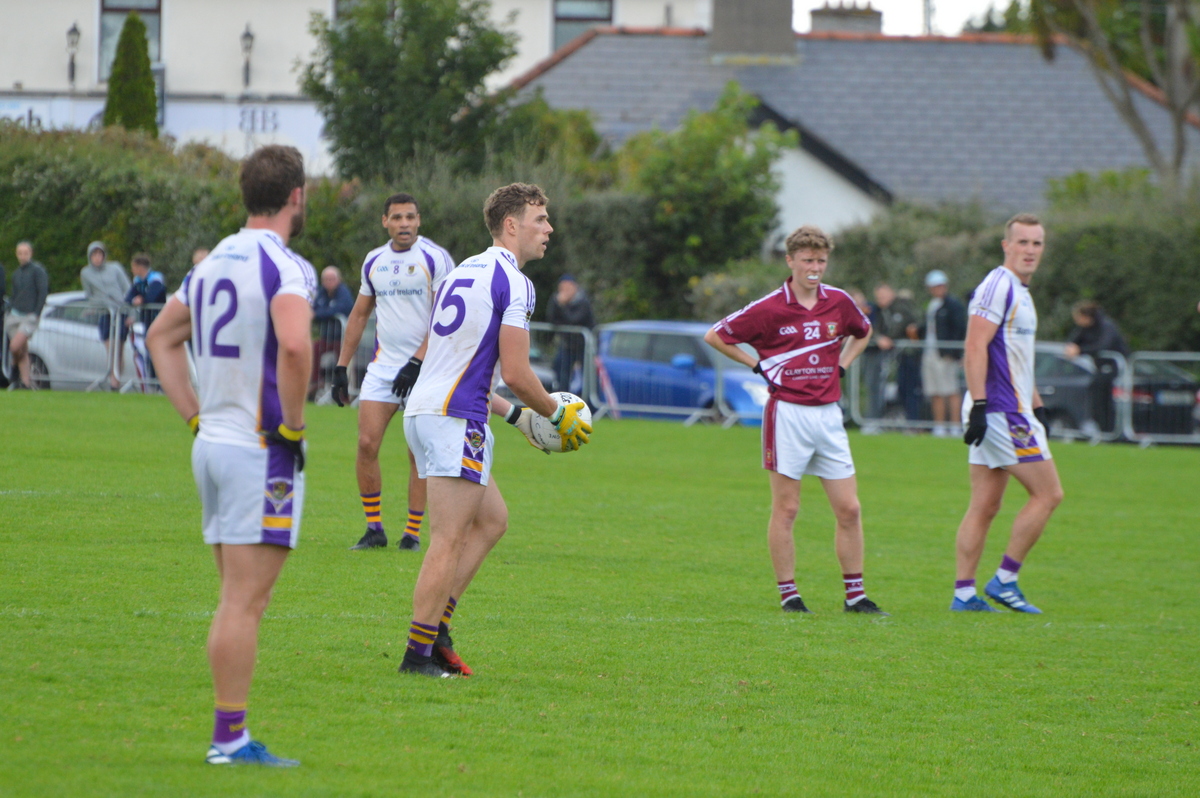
<point x="1159" y="42"/>
<point x="712" y="189"/>
<point x="132" y="102"/>
<point x="392" y="77"/>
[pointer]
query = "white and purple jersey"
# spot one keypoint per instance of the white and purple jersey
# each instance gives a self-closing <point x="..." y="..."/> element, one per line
<point x="1004" y="300"/>
<point x="482" y="294"/>
<point x="233" y="342"/>
<point x="403" y="284"/>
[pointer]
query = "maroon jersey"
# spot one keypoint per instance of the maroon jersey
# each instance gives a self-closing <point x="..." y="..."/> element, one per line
<point x="798" y="348"/>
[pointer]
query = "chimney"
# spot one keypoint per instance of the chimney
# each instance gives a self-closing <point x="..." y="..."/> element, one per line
<point x="752" y="28"/>
<point x="845" y="19"/>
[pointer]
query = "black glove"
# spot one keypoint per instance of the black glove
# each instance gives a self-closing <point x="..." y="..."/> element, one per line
<point x="1042" y="416"/>
<point x="407" y="378"/>
<point x="976" y="423"/>
<point x="758" y="369"/>
<point x="341" y="386"/>
<point x="841" y="371"/>
<point x="290" y="439"/>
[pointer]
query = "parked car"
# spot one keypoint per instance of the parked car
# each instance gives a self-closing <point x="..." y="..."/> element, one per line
<point x="66" y="353"/>
<point x="664" y="369"/>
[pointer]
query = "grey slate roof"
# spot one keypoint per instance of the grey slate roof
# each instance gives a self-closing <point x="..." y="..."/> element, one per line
<point x="932" y="119"/>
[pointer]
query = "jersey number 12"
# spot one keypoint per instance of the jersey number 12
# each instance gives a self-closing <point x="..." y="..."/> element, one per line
<point x="215" y="348"/>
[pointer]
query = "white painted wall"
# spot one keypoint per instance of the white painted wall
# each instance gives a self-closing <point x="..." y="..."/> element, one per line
<point x="812" y="193"/>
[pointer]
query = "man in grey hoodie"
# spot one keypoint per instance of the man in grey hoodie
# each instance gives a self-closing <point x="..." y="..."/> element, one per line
<point x="105" y="283"/>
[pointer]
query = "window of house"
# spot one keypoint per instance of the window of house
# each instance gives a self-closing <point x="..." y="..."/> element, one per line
<point x="112" y="19"/>
<point x="573" y="17"/>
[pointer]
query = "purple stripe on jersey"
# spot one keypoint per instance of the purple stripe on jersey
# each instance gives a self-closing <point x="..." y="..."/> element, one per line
<point x="270" y="413"/>
<point x="278" y="495"/>
<point x="187" y="281"/>
<point x="366" y="272"/>
<point x="469" y="399"/>
<point x="1001" y="396"/>
<point x="429" y="261"/>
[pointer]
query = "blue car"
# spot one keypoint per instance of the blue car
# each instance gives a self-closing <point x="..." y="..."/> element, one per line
<point x="663" y="369"/>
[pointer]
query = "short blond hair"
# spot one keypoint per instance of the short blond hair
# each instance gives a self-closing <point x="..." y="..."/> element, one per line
<point x="510" y="200"/>
<point x="808" y="237"/>
<point x="1027" y="219"/>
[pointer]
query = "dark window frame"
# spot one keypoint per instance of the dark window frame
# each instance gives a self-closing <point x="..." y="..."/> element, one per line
<point x="103" y="70"/>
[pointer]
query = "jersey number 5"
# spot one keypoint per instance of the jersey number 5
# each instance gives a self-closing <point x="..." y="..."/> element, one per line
<point x="215" y="349"/>
<point x="449" y="300"/>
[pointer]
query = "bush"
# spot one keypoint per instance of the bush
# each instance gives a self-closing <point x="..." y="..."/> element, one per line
<point x="715" y="296"/>
<point x="61" y="190"/>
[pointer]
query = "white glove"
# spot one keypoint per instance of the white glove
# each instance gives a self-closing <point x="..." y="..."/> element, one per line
<point x="522" y="419"/>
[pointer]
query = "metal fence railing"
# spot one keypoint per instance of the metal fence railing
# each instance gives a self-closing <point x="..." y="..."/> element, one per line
<point x="1159" y="395"/>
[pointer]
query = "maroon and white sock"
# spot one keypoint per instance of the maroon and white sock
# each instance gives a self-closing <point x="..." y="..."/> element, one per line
<point x="854" y="588"/>
<point x="787" y="590"/>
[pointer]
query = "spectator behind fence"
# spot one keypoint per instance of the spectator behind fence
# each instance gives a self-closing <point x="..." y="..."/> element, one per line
<point x="896" y="318"/>
<point x="1094" y="333"/>
<point x="569" y="305"/>
<point x="30" y="286"/>
<point x="945" y="321"/>
<point x="333" y="299"/>
<point x="105" y="283"/>
<point x="148" y="294"/>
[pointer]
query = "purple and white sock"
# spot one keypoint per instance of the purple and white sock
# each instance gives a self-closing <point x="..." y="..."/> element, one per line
<point x="964" y="589"/>
<point x="229" y="730"/>
<point x="1007" y="572"/>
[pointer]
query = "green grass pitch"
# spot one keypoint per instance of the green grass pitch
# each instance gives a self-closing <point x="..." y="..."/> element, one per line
<point x="625" y="634"/>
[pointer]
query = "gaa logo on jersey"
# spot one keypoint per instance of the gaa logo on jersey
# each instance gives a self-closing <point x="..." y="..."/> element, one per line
<point x="474" y="439"/>
<point x="279" y="493"/>
<point x="831" y="328"/>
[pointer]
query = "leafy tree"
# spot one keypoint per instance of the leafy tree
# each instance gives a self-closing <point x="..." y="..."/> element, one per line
<point x="1159" y="42"/>
<point x="392" y="77"/>
<point x="132" y="102"/>
<point x="712" y="189"/>
<point x="1014" y="19"/>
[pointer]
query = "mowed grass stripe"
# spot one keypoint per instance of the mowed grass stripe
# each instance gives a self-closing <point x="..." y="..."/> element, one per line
<point x="625" y="632"/>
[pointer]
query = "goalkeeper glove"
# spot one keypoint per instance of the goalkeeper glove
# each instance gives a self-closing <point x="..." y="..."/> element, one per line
<point x="407" y="378"/>
<point x="341" y="387"/>
<point x="288" y="438"/>
<point x="571" y="428"/>
<point x="1043" y="417"/>
<point x="194" y="424"/>
<point x="976" y="423"/>
<point x="522" y="419"/>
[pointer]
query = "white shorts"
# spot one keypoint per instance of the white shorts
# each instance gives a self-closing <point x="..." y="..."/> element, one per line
<point x="1011" y="438"/>
<point x="377" y="389"/>
<point x="805" y="439"/>
<point x="249" y="495"/>
<point x="939" y="375"/>
<point x="445" y="446"/>
<point x="24" y="323"/>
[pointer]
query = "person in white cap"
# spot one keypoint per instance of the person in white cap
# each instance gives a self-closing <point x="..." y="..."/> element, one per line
<point x="945" y="321"/>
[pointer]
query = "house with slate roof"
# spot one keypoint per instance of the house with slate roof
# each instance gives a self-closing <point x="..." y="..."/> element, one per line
<point x="929" y="119"/>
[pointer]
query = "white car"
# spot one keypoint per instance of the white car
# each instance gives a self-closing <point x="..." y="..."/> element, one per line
<point x="66" y="353"/>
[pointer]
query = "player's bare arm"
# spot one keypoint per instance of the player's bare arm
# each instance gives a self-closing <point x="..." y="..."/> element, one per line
<point x="356" y="322"/>
<point x="980" y="333"/>
<point x="166" y="341"/>
<point x="518" y="375"/>
<point x="729" y="350"/>
<point x="291" y="317"/>
<point x="853" y="348"/>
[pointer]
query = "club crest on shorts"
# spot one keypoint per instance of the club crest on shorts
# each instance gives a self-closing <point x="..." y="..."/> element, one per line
<point x="474" y="439"/>
<point x="278" y="493"/>
<point x="832" y="328"/>
<point x="1021" y="434"/>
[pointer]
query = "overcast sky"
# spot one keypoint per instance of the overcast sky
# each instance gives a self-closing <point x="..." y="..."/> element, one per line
<point x="903" y="17"/>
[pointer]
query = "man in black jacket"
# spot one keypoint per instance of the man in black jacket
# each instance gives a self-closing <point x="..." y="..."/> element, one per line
<point x="1094" y="333"/>
<point x="941" y="366"/>
<point x="569" y="305"/>
<point x="30" y="286"/>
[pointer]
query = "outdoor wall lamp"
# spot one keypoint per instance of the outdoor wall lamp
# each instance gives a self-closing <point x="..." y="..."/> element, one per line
<point x="247" y="46"/>
<point x="72" y="48"/>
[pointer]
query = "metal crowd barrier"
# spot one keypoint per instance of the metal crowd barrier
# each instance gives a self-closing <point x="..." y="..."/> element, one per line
<point x="5" y="355"/>
<point x="327" y="337"/>
<point x="1159" y="392"/>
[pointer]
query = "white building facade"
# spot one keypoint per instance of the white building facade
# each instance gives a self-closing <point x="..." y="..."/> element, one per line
<point x="235" y="91"/>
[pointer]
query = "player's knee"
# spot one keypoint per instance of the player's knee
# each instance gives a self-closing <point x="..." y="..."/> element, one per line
<point x="368" y="448"/>
<point x="1053" y="497"/>
<point x="849" y="512"/>
<point x="786" y="510"/>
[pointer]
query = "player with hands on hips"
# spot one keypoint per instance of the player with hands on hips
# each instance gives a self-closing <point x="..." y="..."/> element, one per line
<point x="1005" y="422"/>
<point x="480" y="321"/>
<point x="399" y="280"/>
<point x="805" y="334"/>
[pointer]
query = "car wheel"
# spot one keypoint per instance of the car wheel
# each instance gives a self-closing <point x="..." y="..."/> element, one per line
<point x="39" y="375"/>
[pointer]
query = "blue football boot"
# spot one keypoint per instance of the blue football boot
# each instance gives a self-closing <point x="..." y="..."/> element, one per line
<point x="252" y="753"/>
<point x="973" y="604"/>
<point x="1010" y="596"/>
